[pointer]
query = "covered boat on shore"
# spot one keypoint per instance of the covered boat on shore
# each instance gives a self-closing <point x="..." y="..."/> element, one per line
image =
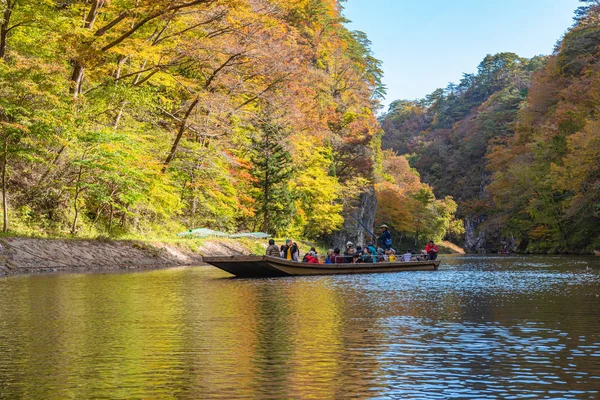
<point x="265" y="266"/>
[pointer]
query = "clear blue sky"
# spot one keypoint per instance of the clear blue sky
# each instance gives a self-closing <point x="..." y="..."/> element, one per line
<point x="425" y="44"/>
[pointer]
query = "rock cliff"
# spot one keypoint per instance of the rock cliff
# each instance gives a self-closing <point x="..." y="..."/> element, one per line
<point x="363" y="207"/>
<point x="485" y="236"/>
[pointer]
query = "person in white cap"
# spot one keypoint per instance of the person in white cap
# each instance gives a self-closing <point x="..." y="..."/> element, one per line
<point x="350" y="252"/>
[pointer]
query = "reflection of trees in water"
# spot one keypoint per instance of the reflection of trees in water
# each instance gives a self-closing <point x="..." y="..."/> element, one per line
<point x="89" y="335"/>
<point x="273" y="335"/>
<point x="220" y="327"/>
<point x="299" y="339"/>
<point x="182" y="333"/>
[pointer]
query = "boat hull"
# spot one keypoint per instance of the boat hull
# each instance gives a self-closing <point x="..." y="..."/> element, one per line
<point x="265" y="267"/>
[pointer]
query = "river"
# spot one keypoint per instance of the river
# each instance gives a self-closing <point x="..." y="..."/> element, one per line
<point x="480" y="327"/>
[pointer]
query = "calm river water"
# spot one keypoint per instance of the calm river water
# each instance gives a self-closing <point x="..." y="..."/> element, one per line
<point x="480" y="327"/>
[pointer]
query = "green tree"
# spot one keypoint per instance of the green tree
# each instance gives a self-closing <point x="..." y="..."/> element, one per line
<point x="272" y="171"/>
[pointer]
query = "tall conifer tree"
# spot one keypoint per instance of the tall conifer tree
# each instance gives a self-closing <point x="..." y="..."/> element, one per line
<point x="272" y="173"/>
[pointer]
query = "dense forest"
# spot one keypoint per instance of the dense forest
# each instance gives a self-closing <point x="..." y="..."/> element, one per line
<point x="516" y="145"/>
<point x="149" y="117"/>
<point x="146" y="117"/>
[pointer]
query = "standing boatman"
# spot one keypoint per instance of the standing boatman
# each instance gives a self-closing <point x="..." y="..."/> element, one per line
<point x="385" y="240"/>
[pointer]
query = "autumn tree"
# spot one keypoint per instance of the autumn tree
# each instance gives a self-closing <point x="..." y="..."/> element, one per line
<point x="409" y="207"/>
<point x="544" y="177"/>
<point x="126" y="117"/>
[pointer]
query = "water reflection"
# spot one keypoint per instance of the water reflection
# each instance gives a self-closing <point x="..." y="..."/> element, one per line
<point x="479" y="327"/>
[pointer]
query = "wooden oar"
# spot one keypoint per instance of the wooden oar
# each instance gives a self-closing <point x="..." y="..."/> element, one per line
<point x="364" y="227"/>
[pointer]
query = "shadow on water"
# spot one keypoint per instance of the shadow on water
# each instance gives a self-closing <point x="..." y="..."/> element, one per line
<point x="496" y="326"/>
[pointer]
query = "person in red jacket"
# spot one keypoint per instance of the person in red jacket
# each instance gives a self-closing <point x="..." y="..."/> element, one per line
<point x="311" y="258"/>
<point x="432" y="250"/>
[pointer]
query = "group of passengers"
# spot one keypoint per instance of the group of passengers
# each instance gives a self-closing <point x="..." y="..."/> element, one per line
<point x="359" y="254"/>
<point x="354" y="254"/>
<point x="370" y="254"/>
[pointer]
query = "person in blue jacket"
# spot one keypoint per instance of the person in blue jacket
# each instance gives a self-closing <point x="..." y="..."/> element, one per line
<point x="385" y="240"/>
<point x="330" y="257"/>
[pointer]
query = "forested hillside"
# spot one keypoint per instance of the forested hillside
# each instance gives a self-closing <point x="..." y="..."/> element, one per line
<point x="154" y="115"/>
<point x="516" y="145"/>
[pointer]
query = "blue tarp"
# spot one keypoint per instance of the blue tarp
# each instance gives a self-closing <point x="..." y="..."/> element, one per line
<point x="205" y="232"/>
<point x="253" y="235"/>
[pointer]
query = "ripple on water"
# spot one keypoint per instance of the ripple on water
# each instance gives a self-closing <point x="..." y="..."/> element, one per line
<point x="481" y="327"/>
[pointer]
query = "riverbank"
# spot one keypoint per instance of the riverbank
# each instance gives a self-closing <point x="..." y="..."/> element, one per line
<point x="21" y="255"/>
<point x="35" y="255"/>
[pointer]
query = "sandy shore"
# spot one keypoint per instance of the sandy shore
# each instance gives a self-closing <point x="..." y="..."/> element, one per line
<point x="31" y="255"/>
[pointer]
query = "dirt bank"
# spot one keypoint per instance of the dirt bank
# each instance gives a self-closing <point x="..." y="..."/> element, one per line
<point x="30" y="255"/>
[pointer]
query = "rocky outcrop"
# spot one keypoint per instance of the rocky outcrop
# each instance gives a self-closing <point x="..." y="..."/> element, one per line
<point x="474" y="237"/>
<point x="27" y="255"/>
<point x="363" y="208"/>
<point x="485" y="236"/>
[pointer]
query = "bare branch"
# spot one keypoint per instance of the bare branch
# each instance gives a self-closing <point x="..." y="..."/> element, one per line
<point x="213" y="19"/>
<point x="111" y="24"/>
<point x="180" y="133"/>
<point x="154" y="15"/>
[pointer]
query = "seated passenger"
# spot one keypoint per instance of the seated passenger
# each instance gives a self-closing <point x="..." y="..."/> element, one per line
<point x="432" y="250"/>
<point x="391" y="255"/>
<point x="273" y="250"/>
<point x="337" y="257"/>
<point x="380" y="255"/>
<point x="371" y="247"/>
<point x="315" y="254"/>
<point x="368" y="257"/>
<point x="358" y="254"/>
<point x="360" y="259"/>
<point x="349" y="253"/>
<point x="406" y="257"/>
<point x="329" y="259"/>
<point x="311" y="258"/>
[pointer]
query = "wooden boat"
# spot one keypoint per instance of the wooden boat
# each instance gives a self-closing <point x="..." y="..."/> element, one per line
<point x="265" y="266"/>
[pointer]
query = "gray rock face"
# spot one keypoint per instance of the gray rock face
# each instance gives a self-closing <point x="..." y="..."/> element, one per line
<point x="363" y="207"/>
<point x="483" y="237"/>
<point x="475" y="240"/>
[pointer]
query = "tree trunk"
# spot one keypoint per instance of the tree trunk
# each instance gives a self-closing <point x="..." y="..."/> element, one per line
<point x="267" y="186"/>
<point x="77" y="192"/>
<point x="77" y="78"/>
<point x="93" y="14"/>
<point x="98" y="214"/>
<point x="182" y="130"/>
<point x="110" y="219"/>
<point x="120" y="63"/>
<point x="4" y="199"/>
<point x="78" y="68"/>
<point x="119" y="115"/>
<point x="4" y="28"/>
<point x="3" y="35"/>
